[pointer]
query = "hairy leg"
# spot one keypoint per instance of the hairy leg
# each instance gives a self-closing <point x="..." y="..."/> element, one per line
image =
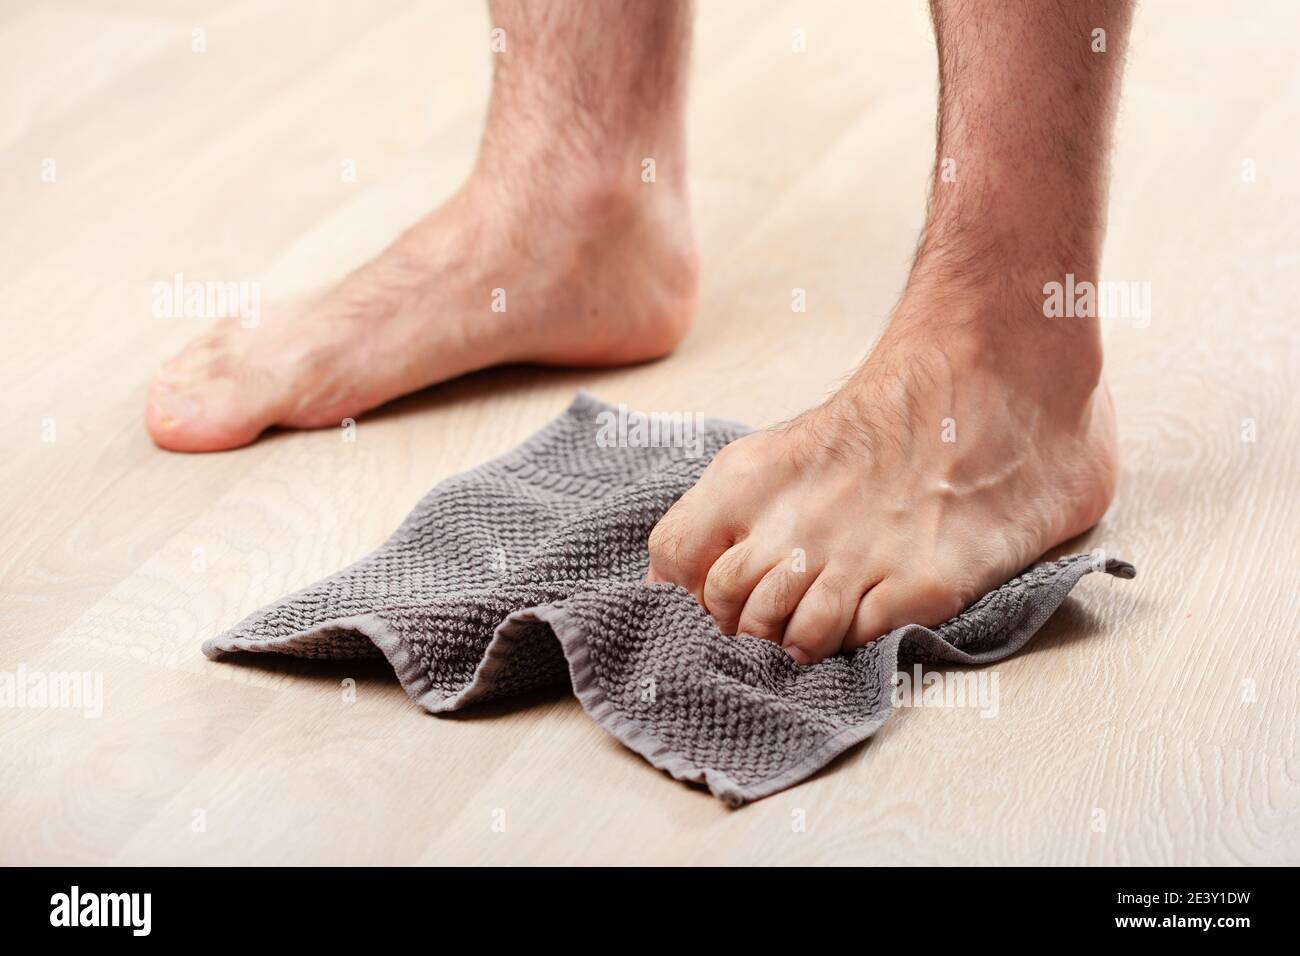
<point x="978" y="434"/>
<point x="594" y="265"/>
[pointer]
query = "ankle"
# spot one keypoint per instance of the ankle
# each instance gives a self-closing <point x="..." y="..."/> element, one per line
<point x="594" y="190"/>
<point x="1005" y="325"/>
<point x="591" y="232"/>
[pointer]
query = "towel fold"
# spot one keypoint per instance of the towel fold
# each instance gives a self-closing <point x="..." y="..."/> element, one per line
<point x="528" y="571"/>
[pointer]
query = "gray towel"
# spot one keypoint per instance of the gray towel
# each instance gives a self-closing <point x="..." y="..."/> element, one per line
<point x="527" y="571"/>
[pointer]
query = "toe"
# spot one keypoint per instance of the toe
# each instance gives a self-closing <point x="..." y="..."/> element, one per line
<point x="731" y="580"/>
<point x="204" y="416"/>
<point x="705" y="521"/>
<point x="819" y="624"/>
<point x="686" y="542"/>
<point x="874" y="616"/>
<point x="774" y="599"/>
<point x="919" y="599"/>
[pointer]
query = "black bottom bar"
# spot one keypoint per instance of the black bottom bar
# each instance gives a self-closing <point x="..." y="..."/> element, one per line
<point x="337" y="906"/>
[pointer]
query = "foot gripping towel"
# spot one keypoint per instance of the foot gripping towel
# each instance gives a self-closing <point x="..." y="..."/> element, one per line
<point x="528" y="571"/>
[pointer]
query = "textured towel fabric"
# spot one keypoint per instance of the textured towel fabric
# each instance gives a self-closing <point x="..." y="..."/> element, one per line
<point x="527" y="571"/>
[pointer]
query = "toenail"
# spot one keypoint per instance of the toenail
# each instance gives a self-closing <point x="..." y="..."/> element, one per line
<point x="799" y="654"/>
<point x="173" y="406"/>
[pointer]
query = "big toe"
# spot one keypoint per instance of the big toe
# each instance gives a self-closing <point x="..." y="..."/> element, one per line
<point x="206" y="415"/>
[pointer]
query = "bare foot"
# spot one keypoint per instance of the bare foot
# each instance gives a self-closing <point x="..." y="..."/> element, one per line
<point x="949" y="462"/>
<point x="599" y="272"/>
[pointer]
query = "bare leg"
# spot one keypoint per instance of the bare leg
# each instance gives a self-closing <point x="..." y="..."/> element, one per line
<point x="978" y="434"/>
<point x="595" y="265"/>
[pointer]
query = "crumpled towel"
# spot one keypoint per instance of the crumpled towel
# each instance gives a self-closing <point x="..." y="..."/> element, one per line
<point x="528" y="570"/>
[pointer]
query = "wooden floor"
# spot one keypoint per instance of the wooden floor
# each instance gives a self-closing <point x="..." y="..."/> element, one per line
<point x="1154" y="721"/>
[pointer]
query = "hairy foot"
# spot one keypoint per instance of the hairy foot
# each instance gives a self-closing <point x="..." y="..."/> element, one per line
<point x="593" y="274"/>
<point x="949" y="462"/>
